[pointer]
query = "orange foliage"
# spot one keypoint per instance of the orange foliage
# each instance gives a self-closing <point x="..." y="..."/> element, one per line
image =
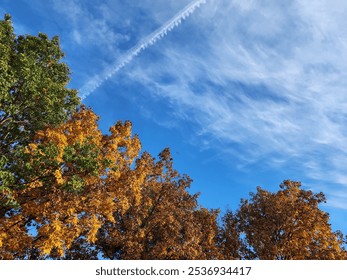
<point x="92" y="190"/>
<point x="162" y="221"/>
<point x="84" y="194"/>
<point x="68" y="195"/>
<point x="288" y="225"/>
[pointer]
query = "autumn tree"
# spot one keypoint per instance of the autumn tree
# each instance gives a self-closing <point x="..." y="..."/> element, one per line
<point x="91" y="193"/>
<point x="69" y="191"/>
<point x="66" y="199"/>
<point x="33" y="95"/>
<point x="163" y="220"/>
<point x="288" y="224"/>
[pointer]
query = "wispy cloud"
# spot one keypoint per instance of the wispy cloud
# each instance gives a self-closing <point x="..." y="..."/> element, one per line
<point x="86" y="27"/>
<point x="264" y="81"/>
<point x="151" y="39"/>
<point x="270" y="80"/>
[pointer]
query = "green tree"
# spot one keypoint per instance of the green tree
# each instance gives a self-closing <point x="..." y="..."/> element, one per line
<point x="33" y="95"/>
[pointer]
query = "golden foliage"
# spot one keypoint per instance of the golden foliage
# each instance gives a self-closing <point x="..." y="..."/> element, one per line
<point x="85" y="194"/>
<point x="72" y="191"/>
<point x="288" y="225"/>
<point x="161" y="221"/>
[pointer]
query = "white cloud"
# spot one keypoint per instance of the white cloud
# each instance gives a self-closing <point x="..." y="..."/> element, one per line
<point x="269" y="76"/>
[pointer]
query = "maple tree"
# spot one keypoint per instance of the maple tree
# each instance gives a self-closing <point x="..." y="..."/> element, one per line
<point x="287" y="224"/>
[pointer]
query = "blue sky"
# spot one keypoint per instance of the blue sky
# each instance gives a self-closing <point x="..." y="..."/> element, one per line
<point x="244" y="92"/>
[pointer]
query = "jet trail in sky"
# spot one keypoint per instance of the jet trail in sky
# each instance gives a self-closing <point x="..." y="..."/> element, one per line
<point x="151" y="39"/>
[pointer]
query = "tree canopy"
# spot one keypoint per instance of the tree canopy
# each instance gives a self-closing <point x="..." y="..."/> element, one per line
<point x="70" y="191"/>
<point x="33" y="95"/>
<point x="287" y="224"/>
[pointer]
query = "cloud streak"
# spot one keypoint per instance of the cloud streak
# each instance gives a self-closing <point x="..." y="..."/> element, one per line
<point x="151" y="39"/>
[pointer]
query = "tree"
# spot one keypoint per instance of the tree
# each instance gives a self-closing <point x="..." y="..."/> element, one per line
<point x="162" y="221"/>
<point x="90" y="194"/>
<point x="66" y="199"/>
<point x="288" y="225"/>
<point x="69" y="191"/>
<point x="33" y="95"/>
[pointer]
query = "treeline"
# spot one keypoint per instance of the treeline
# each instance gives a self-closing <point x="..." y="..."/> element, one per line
<point x="68" y="191"/>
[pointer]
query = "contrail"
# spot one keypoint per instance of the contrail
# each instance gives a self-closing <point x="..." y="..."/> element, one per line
<point x="151" y="39"/>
